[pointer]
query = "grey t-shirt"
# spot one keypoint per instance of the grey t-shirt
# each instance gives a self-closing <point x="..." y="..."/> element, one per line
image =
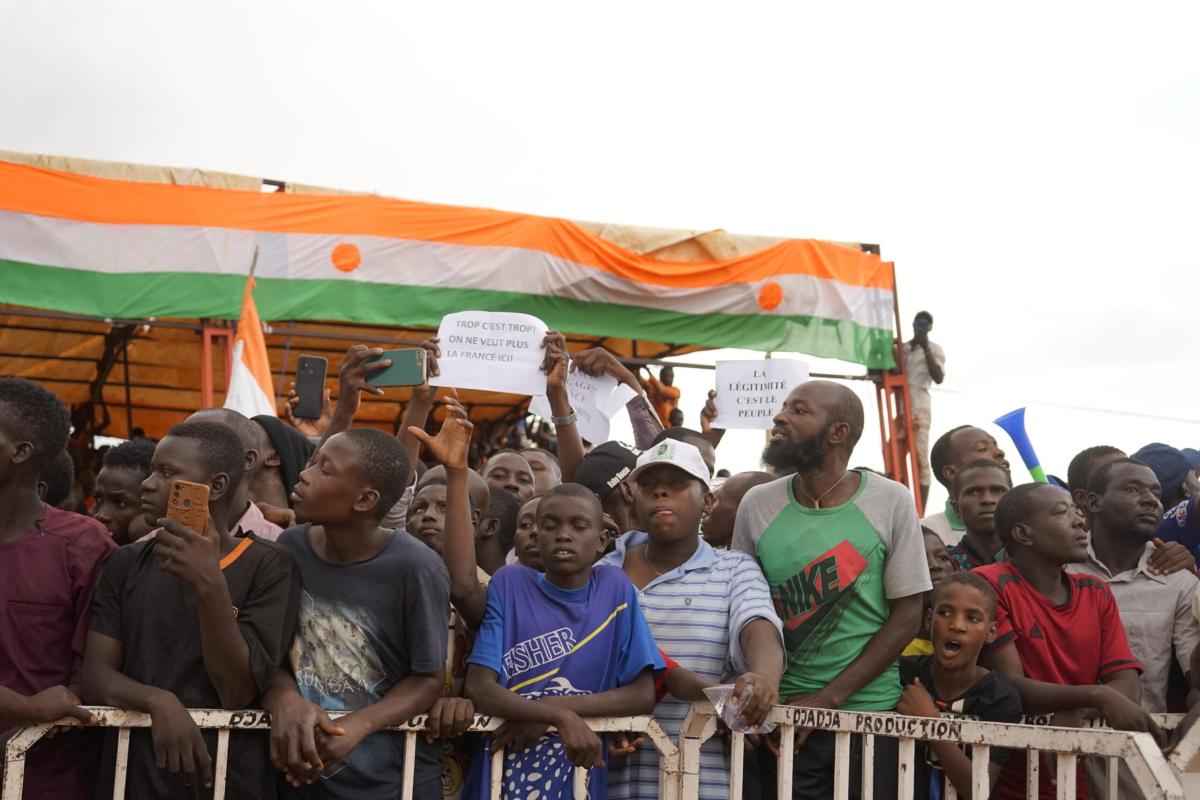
<point x="364" y="627"/>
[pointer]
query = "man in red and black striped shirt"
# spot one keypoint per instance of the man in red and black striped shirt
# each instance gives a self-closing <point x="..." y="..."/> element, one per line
<point x="1071" y="652"/>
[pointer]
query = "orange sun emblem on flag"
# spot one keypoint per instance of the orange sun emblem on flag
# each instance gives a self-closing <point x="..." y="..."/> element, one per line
<point x="770" y="296"/>
<point x="346" y="257"/>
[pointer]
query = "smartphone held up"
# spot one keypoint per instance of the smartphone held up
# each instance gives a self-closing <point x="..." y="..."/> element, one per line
<point x="407" y="368"/>
<point x="310" y="386"/>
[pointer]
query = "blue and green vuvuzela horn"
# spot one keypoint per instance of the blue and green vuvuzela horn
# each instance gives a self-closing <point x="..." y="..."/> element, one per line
<point x="1014" y="425"/>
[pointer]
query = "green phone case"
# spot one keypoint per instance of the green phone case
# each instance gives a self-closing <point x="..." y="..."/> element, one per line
<point x="407" y="369"/>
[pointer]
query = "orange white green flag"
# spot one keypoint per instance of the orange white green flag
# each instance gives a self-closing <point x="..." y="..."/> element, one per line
<point x="249" y="391"/>
<point x="128" y="249"/>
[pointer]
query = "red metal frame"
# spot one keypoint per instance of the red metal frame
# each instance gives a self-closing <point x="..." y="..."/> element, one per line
<point x="895" y="416"/>
<point x="209" y="334"/>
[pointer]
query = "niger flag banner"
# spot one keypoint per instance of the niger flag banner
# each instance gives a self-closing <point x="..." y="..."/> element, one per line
<point x="129" y="249"/>
<point x="249" y="391"/>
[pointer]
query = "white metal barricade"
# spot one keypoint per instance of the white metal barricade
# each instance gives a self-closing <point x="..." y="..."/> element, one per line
<point x="253" y="720"/>
<point x="1156" y="777"/>
<point x="679" y="765"/>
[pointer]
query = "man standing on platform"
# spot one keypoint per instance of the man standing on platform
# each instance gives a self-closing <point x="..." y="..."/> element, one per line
<point x="924" y="363"/>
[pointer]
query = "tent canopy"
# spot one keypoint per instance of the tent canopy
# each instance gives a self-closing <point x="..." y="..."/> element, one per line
<point x="105" y="263"/>
<point x="83" y="360"/>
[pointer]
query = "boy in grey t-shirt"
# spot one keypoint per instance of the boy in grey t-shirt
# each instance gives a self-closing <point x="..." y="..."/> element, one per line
<point x="372" y="632"/>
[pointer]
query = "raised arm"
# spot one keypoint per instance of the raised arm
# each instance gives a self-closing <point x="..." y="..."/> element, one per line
<point x="451" y="447"/>
<point x="707" y="415"/>
<point x="597" y="361"/>
<point x="352" y="379"/>
<point x="935" y="368"/>
<point x="417" y="412"/>
<point x="570" y="444"/>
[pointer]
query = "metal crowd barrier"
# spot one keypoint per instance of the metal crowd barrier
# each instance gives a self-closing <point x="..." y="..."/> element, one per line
<point x="225" y="721"/>
<point x="679" y="765"/>
<point x="1156" y="777"/>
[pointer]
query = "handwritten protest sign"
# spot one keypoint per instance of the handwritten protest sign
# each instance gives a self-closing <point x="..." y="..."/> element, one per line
<point x="750" y="393"/>
<point x="595" y="401"/>
<point x="492" y="351"/>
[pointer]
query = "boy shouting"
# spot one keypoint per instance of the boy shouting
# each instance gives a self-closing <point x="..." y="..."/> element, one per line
<point x="962" y="620"/>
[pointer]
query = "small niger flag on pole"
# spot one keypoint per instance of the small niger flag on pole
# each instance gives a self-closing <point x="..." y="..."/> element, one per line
<point x="249" y="391"/>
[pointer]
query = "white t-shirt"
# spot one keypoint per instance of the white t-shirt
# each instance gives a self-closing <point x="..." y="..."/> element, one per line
<point x="919" y="379"/>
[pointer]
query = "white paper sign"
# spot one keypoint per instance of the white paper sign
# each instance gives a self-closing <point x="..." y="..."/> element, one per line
<point x="595" y="401"/>
<point x="492" y="351"/>
<point x="751" y="393"/>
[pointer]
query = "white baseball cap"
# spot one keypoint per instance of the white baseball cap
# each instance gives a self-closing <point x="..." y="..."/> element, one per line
<point x="676" y="453"/>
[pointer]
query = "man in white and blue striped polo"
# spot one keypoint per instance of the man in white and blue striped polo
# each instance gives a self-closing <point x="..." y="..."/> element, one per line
<point x="709" y="611"/>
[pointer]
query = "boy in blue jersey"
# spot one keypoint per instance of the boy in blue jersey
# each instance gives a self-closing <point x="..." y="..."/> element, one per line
<point x="555" y="647"/>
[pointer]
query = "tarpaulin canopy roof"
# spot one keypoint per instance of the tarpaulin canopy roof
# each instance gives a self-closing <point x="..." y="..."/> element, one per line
<point x="161" y="252"/>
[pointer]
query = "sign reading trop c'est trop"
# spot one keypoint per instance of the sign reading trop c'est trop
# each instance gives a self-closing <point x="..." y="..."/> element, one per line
<point x="751" y="393"/>
<point x="493" y="351"/>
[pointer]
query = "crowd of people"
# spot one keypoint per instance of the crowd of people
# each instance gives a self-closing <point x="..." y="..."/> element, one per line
<point x="348" y="580"/>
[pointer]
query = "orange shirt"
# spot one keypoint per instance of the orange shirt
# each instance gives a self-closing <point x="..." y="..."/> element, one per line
<point x="664" y="398"/>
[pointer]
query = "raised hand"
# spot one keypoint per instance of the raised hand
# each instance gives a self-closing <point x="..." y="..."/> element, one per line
<point x="308" y="427"/>
<point x="596" y="361"/>
<point x="452" y="444"/>
<point x="426" y="393"/>
<point x="352" y="377"/>
<point x="555" y="362"/>
<point x="709" y="412"/>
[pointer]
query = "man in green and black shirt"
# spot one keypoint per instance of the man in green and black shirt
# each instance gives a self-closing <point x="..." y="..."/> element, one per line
<point x="843" y="555"/>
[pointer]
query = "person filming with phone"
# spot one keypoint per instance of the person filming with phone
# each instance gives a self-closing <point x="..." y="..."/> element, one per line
<point x="190" y="617"/>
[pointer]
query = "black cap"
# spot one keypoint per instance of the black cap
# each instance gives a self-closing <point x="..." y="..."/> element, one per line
<point x="293" y="447"/>
<point x="606" y="466"/>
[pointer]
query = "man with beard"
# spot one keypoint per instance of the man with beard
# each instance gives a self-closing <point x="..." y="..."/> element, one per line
<point x="843" y="556"/>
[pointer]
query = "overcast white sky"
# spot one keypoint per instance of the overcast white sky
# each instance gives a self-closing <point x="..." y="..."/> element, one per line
<point x="1032" y="168"/>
